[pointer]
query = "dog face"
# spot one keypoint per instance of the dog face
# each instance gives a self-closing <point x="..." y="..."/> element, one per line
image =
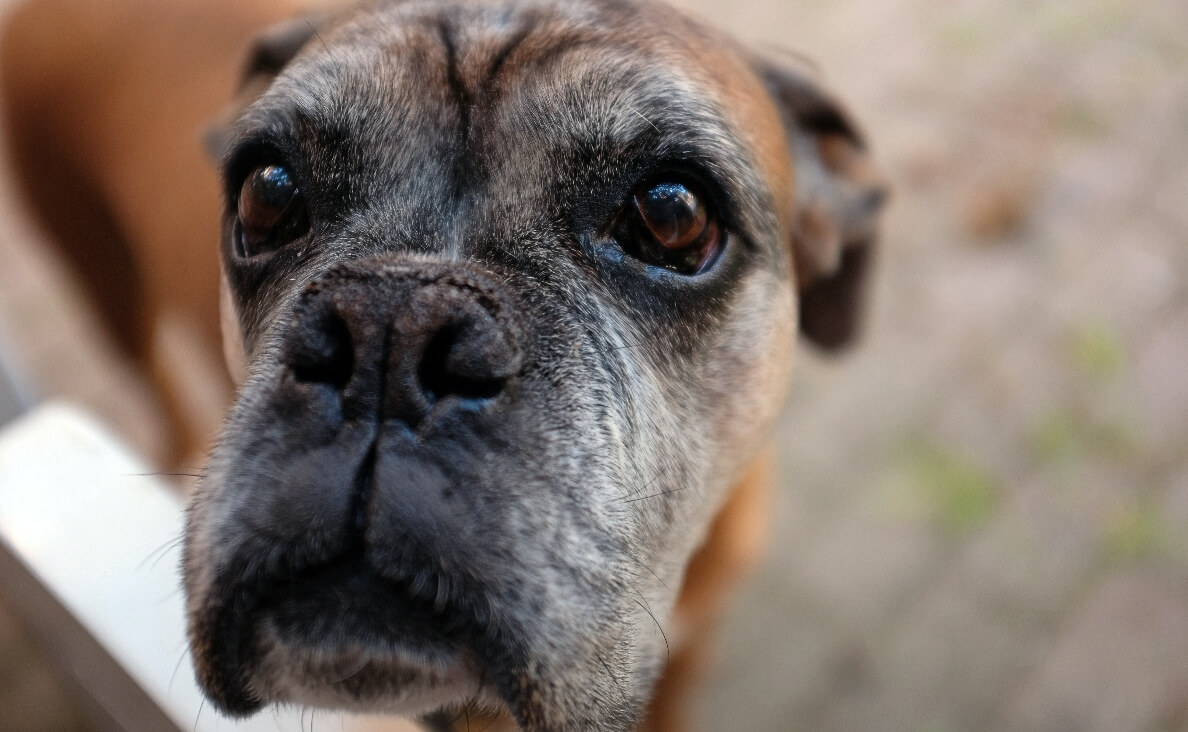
<point x="514" y="290"/>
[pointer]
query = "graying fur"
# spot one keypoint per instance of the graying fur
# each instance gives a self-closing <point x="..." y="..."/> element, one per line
<point x="496" y="140"/>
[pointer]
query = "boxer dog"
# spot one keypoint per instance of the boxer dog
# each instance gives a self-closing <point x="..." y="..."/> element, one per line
<point x="511" y="290"/>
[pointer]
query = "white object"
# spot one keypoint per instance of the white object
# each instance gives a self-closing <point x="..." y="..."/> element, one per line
<point x="89" y="555"/>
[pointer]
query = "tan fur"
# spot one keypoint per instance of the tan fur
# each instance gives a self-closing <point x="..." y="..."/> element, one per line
<point x="150" y="172"/>
<point x="736" y="540"/>
<point x="106" y="103"/>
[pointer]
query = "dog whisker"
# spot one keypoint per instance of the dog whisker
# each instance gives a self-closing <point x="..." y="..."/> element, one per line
<point x="611" y="674"/>
<point x="159" y="553"/>
<point x="489" y="725"/>
<point x="317" y="35"/>
<point x="650" y="571"/>
<point x="167" y="597"/>
<point x="645" y="486"/>
<point x="176" y="668"/>
<point x="444" y="720"/>
<point x="648" y="610"/>
<point x="350" y="674"/>
<point x="626" y="345"/>
<point x="637" y="113"/>
<point x="654" y="495"/>
<point x="201" y="706"/>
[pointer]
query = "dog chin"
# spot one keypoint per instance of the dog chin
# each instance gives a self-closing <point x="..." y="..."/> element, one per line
<point x="365" y="679"/>
<point x="344" y="638"/>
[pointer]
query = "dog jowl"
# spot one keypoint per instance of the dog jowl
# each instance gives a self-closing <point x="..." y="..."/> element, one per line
<point x="514" y="291"/>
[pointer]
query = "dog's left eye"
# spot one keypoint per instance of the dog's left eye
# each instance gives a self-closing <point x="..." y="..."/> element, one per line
<point x="670" y="224"/>
<point x="270" y="211"/>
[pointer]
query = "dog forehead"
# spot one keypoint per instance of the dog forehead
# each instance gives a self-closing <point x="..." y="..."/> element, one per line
<point x="425" y="101"/>
<point x="416" y="64"/>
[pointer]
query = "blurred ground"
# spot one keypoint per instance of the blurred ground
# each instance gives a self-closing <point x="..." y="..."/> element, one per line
<point x="982" y="522"/>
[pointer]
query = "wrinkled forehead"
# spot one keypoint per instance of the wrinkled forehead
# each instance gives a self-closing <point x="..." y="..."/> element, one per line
<point x="490" y="81"/>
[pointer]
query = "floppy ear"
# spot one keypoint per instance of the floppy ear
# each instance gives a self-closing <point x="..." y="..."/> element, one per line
<point x="269" y="53"/>
<point x="839" y="195"/>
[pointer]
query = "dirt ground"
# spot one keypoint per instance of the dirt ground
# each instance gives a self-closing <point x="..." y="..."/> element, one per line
<point x="982" y="517"/>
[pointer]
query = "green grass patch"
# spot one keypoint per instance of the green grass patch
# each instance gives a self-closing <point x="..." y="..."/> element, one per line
<point x="943" y="487"/>
<point x="1065" y="436"/>
<point x="1097" y="351"/>
<point x="1057" y="439"/>
<point x="1137" y="532"/>
<point x="1080" y="24"/>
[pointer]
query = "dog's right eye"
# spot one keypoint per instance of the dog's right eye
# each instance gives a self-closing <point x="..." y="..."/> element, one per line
<point x="670" y="224"/>
<point x="270" y="211"/>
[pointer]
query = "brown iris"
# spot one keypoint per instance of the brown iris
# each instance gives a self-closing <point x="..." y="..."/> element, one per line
<point x="678" y="230"/>
<point x="271" y="211"/>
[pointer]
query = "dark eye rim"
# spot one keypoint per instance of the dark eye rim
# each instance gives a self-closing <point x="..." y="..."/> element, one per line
<point x="245" y="160"/>
<point x="629" y="216"/>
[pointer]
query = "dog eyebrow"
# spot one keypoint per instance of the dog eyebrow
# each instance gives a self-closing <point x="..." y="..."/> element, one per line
<point x="500" y="59"/>
<point x="684" y="133"/>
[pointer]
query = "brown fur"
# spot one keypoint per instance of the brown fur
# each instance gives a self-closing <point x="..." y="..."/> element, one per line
<point x="118" y="177"/>
<point x="106" y="104"/>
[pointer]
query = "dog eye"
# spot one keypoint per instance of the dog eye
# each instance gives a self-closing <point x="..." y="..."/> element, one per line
<point x="674" y="228"/>
<point x="271" y="211"/>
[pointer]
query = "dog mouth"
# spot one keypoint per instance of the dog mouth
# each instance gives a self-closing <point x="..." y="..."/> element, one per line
<point x="373" y="538"/>
<point x="346" y="635"/>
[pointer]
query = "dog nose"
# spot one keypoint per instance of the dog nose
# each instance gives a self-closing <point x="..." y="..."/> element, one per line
<point x="402" y="341"/>
<point x="445" y="345"/>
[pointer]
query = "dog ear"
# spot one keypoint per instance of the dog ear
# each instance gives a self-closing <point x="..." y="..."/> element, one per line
<point x="840" y="194"/>
<point x="267" y="56"/>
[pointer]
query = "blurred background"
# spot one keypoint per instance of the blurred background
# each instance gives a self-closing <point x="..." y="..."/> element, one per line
<point x="982" y="513"/>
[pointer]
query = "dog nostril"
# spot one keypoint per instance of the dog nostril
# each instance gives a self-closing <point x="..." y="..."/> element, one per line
<point x="466" y="361"/>
<point x="324" y="354"/>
